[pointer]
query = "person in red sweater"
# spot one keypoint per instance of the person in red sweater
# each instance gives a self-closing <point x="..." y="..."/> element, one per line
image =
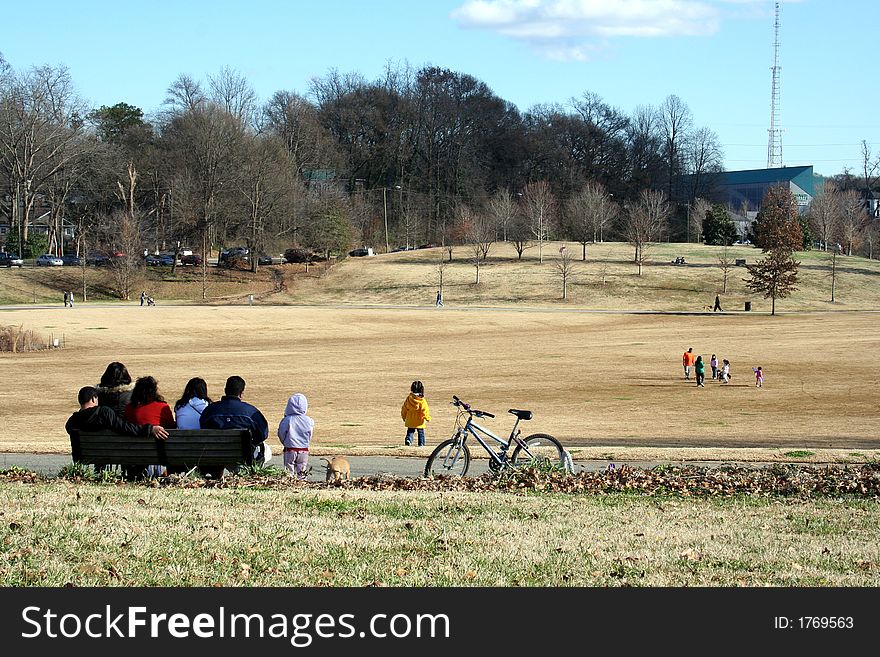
<point x="147" y="406"/>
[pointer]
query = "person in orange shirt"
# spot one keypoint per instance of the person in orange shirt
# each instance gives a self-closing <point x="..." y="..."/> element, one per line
<point x="687" y="361"/>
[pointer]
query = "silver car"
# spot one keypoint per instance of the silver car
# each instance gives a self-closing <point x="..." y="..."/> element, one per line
<point x="48" y="260"/>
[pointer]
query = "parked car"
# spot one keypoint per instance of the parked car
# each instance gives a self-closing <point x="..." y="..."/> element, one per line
<point x="10" y="260"/>
<point x="264" y="259"/>
<point x="191" y="259"/>
<point x="97" y="259"/>
<point x="235" y="257"/>
<point x="166" y="259"/>
<point x="71" y="260"/>
<point x="152" y="260"/>
<point x="359" y="253"/>
<point x="48" y="260"/>
<point x="427" y="246"/>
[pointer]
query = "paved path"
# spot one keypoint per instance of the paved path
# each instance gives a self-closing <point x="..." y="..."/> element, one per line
<point x="361" y="466"/>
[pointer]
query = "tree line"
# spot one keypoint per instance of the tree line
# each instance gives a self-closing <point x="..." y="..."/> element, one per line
<point x="420" y="155"/>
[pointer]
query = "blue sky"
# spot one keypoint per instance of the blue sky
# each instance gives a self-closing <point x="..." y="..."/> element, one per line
<point x="714" y="54"/>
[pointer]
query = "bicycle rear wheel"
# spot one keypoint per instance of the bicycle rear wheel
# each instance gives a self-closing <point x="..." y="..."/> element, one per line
<point x="451" y="458"/>
<point x="541" y="450"/>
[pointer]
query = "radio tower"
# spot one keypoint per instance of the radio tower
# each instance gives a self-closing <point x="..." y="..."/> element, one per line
<point x="774" y="144"/>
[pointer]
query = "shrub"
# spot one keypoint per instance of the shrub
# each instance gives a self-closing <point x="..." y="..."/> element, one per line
<point x="299" y="255"/>
<point x="17" y="339"/>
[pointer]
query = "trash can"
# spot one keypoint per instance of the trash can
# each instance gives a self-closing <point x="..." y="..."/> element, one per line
<point x="748" y="306"/>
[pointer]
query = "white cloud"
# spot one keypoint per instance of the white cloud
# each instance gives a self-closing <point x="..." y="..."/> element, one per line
<point x="570" y="29"/>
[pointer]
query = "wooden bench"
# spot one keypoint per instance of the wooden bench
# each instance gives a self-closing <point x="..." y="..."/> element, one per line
<point x="210" y="450"/>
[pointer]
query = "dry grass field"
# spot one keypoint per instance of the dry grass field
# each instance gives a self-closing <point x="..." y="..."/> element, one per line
<point x="598" y="381"/>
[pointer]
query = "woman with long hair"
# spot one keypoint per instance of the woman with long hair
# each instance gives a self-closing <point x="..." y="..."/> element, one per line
<point x="115" y="387"/>
<point x="147" y="406"/>
<point x="188" y="409"/>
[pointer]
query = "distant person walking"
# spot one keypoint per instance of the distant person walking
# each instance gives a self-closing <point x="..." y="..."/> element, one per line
<point x="687" y="361"/>
<point x="713" y="363"/>
<point x="439" y="298"/>
<point x="70" y="298"/>
<point x="700" y="369"/>
<point x="143" y="297"/>
<point x="415" y="413"/>
<point x="717" y="304"/>
<point x="759" y="376"/>
<point x="66" y="298"/>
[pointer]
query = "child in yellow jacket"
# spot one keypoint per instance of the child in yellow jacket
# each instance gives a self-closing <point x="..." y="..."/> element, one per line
<point x="415" y="413"/>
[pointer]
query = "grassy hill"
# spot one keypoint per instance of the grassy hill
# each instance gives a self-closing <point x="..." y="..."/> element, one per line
<point x="606" y="280"/>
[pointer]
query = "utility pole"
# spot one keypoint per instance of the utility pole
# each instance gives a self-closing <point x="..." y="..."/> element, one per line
<point x="385" y="206"/>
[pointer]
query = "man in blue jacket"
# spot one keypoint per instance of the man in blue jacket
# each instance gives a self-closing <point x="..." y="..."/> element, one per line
<point x="230" y="412"/>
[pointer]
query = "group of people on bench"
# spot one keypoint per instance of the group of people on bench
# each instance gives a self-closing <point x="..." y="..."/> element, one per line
<point x="139" y="410"/>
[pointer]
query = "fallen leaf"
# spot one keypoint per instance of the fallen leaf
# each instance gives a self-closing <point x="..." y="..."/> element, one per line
<point x="691" y="555"/>
<point x="400" y="572"/>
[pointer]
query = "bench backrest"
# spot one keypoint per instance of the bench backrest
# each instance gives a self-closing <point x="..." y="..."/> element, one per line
<point x="184" y="447"/>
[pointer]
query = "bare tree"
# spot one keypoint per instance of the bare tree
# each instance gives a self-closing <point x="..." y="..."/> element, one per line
<point x="725" y="263"/>
<point x="825" y="214"/>
<point x="540" y="208"/>
<point x="41" y="126"/>
<point x="852" y="219"/>
<point x="565" y="269"/>
<point x="232" y="91"/>
<point x="125" y="237"/>
<point x="697" y="215"/>
<point x="675" y="120"/>
<point x="643" y="223"/>
<point x="587" y="214"/>
<point x="520" y="234"/>
<point x="833" y="273"/>
<point x="502" y="209"/>
<point x="474" y="230"/>
<point x="703" y="159"/>
<point x="870" y="167"/>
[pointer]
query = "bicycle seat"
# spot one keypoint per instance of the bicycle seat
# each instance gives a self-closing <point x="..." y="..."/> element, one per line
<point x="522" y="415"/>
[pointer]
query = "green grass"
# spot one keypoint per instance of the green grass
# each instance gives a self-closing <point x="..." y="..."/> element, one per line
<point x="798" y="453"/>
<point x="112" y="534"/>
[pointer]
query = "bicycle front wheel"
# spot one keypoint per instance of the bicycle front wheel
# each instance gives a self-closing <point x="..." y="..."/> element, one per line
<point x="541" y="450"/>
<point x="451" y="458"/>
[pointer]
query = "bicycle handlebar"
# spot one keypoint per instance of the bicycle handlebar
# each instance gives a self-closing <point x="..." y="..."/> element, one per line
<point x="467" y="407"/>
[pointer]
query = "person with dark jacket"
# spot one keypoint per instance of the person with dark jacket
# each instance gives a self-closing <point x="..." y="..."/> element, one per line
<point x="230" y="412"/>
<point x="115" y="387"/>
<point x="92" y="417"/>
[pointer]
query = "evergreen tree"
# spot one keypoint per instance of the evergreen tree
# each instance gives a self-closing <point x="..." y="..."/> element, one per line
<point x="718" y="228"/>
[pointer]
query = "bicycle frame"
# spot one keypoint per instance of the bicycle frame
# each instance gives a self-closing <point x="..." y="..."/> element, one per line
<point x="472" y="428"/>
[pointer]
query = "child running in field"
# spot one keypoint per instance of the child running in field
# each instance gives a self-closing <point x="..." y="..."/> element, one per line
<point x="415" y="413"/>
<point x="759" y="376"/>
<point x="295" y="432"/>
<point x="725" y="371"/>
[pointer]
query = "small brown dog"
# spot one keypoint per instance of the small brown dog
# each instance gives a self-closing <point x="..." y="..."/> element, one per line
<point x="338" y="468"/>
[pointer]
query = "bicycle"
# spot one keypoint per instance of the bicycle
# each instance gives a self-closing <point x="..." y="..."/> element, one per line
<point x="453" y="456"/>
